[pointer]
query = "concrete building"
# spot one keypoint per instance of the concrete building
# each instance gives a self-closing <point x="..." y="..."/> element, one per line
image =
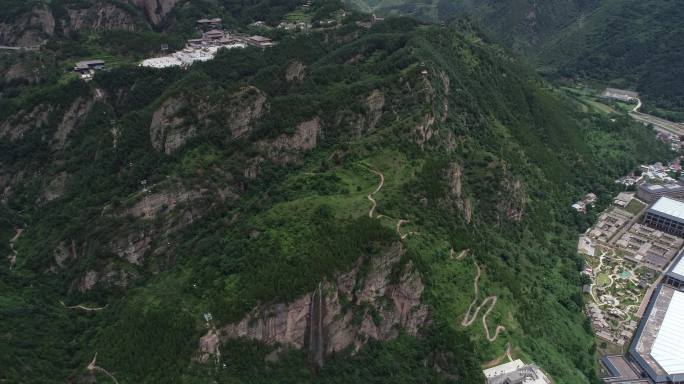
<point x="666" y="215"/>
<point x="619" y="369"/>
<point x="650" y="193"/>
<point x="675" y="275"/>
<point x="658" y="347"/>
<point x="515" y="372"/>
<point x="620" y="95"/>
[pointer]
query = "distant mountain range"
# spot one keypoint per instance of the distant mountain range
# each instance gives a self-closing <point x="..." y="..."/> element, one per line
<point x="635" y="44"/>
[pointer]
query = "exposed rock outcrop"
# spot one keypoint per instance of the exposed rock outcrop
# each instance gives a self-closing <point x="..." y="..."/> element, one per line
<point x="454" y="174"/>
<point x="78" y="110"/>
<point x="64" y="253"/>
<point x="183" y="117"/>
<point x="373" y="107"/>
<point x="28" y="30"/>
<point x="167" y="130"/>
<point x="99" y="16"/>
<point x="374" y="102"/>
<point x="295" y="72"/>
<point x="209" y="346"/>
<point x="286" y="148"/>
<point x="243" y="109"/>
<point x="156" y="10"/>
<point x="132" y="247"/>
<point x="424" y="130"/>
<point x="153" y="205"/>
<point x="55" y="189"/>
<point x="252" y="169"/>
<point x="513" y="199"/>
<point x="22" y="122"/>
<point x="108" y="277"/>
<point x="327" y="320"/>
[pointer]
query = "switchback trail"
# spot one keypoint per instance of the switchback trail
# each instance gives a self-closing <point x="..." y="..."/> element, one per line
<point x="470" y="316"/>
<point x="93" y="367"/>
<point x="13" y="255"/>
<point x="498" y="328"/>
<point x="468" y="320"/>
<point x="405" y="235"/>
<point x="374" y="204"/>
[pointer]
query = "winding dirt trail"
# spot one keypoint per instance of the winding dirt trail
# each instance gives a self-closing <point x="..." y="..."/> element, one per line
<point x="82" y="307"/>
<point x="93" y="367"/>
<point x="471" y="316"/>
<point x="462" y="255"/>
<point x="13" y="255"/>
<point x="374" y="204"/>
<point x="405" y="235"/>
<point x="498" y="328"/>
<point x="468" y="320"/>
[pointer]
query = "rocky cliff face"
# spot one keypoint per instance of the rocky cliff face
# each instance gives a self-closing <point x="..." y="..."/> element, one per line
<point x="183" y="117"/>
<point x="36" y="26"/>
<point x="340" y="314"/>
<point x="462" y="202"/>
<point x="15" y="127"/>
<point x="29" y="29"/>
<point x="287" y="148"/>
<point x="156" y="10"/>
<point x="100" y="16"/>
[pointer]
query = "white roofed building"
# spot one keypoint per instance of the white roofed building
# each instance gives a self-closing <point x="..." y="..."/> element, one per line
<point x="515" y="372"/>
<point x="658" y="346"/>
<point x="675" y="275"/>
<point x="666" y="215"/>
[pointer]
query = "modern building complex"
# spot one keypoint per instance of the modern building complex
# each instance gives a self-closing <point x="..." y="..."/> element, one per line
<point x="657" y="351"/>
<point x="515" y="372"/>
<point x="666" y="215"/>
<point x="652" y="192"/>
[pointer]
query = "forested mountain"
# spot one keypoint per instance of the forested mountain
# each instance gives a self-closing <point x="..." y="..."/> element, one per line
<point x="630" y="44"/>
<point x="623" y="43"/>
<point x="520" y="24"/>
<point x="316" y="212"/>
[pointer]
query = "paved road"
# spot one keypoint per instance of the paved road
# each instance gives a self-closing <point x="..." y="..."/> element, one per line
<point x="660" y="124"/>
